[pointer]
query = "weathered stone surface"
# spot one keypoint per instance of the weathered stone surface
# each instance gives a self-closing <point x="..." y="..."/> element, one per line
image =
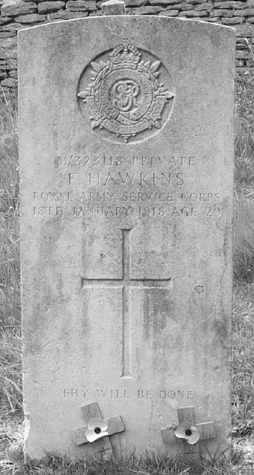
<point x="237" y="5"/>
<point x="169" y="13"/>
<point x="136" y="3"/>
<point x="171" y="7"/>
<point x="32" y="18"/>
<point x="126" y="228"/>
<point x="185" y="6"/>
<point x="222" y="5"/>
<point x="160" y="2"/>
<point x="8" y="34"/>
<point x="193" y="13"/>
<point x="99" y="12"/>
<point x="81" y="5"/>
<point x="18" y="9"/>
<point x="147" y="10"/>
<point x="169" y="2"/>
<point x="196" y="2"/>
<point x="222" y="13"/>
<point x="232" y="21"/>
<point x="9" y="82"/>
<point x="8" y="39"/>
<point x="113" y="7"/>
<point x="66" y="15"/>
<point x="239" y="63"/>
<point x="5" y="20"/>
<point x="245" y="12"/>
<point x="50" y="6"/>
<point x="12" y="28"/>
<point x="250" y="3"/>
<point x="243" y="54"/>
<point x="244" y="30"/>
<point x="204" y="6"/>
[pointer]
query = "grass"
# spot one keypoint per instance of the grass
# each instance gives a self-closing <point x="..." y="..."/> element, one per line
<point x="243" y="315"/>
<point x="148" y="464"/>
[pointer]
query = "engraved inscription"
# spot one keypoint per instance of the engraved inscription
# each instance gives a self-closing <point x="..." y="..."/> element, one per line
<point x="162" y="394"/>
<point x="123" y="95"/>
<point x="80" y="162"/>
<point x="151" y="187"/>
<point x="126" y="283"/>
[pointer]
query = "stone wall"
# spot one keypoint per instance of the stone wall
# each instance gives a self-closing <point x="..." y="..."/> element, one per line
<point x="17" y="14"/>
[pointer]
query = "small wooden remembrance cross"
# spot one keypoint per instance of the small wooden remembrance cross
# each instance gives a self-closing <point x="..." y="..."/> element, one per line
<point x="206" y="431"/>
<point x="113" y="425"/>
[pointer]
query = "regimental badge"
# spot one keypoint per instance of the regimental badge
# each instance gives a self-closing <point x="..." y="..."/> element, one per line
<point x="122" y="95"/>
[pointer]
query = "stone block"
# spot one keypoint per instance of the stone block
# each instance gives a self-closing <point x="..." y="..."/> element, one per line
<point x="12" y="28"/>
<point x="9" y="82"/>
<point x="237" y="5"/>
<point x="222" y="5"/>
<point x="250" y="3"/>
<point x="193" y="13"/>
<point x="66" y="15"/>
<point x="196" y="2"/>
<point x="160" y="2"/>
<point x="50" y="6"/>
<point x="185" y="6"/>
<point x="135" y="3"/>
<point x="168" y="2"/>
<point x="32" y="18"/>
<point x="245" y="12"/>
<point x="222" y="13"/>
<point x="113" y="7"/>
<point x="19" y="9"/>
<point x="126" y="166"/>
<point x="147" y="10"/>
<point x="169" y="13"/>
<point x="81" y="5"/>
<point x="244" y="30"/>
<point x="232" y="21"/>
<point x="204" y="6"/>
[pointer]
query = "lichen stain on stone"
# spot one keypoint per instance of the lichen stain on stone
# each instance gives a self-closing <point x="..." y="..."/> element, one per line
<point x="158" y="308"/>
<point x="221" y="330"/>
<point x="48" y="282"/>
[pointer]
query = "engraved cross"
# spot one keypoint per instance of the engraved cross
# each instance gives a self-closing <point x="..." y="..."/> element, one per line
<point x="126" y="283"/>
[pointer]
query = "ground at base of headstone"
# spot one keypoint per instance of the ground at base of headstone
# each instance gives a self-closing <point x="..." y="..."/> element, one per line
<point x="13" y="462"/>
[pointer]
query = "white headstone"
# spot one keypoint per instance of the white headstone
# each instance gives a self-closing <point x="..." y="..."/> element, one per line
<point x="126" y="164"/>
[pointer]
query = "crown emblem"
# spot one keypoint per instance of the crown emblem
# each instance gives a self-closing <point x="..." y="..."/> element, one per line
<point x="124" y="97"/>
<point x="124" y="54"/>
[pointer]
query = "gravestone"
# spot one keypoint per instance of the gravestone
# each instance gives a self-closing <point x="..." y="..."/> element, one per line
<point x="126" y="165"/>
